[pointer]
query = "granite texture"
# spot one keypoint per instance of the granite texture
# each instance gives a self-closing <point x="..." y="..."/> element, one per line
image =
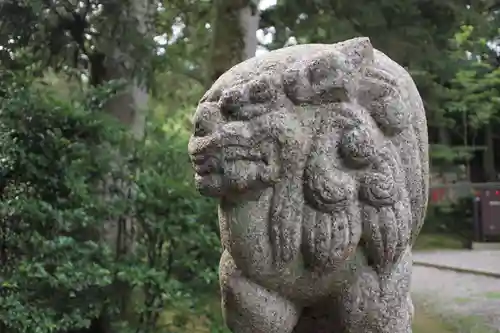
<point x="319" y="156"/>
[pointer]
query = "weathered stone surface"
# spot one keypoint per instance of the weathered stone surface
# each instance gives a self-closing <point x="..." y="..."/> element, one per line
<point x="318" y="154"/>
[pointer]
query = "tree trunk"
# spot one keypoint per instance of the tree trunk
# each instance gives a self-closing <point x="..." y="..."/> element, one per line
<point x="489" y="155"/>
<point x="235" y="23"/>
<point x="123" y="55"/>
<point x="123" y="58"/>
<point x="444" y="135"/>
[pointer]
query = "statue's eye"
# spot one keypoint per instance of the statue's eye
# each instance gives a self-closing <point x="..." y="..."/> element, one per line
<point x="230" y="104"/>
<point x="326" y="81"/>
<point x="260" y="91"/>
<point x="230" y="112"/>
<point x="318" y="71"/>
<point x="247" y="102"/>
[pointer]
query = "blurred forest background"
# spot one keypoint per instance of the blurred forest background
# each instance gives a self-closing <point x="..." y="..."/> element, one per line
<point x="101" y="227"/>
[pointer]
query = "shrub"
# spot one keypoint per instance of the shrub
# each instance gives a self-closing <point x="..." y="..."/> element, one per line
<point x="54" y="154"/>
<point x="57" y="274"/>
<point x="179" y="244"/>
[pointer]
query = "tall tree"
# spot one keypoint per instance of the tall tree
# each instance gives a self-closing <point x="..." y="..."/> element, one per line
<point x="125" y="51"/>
<point x="234" y="39"/>
<point x="103" y="40"/>
<point x="474" y="102"/>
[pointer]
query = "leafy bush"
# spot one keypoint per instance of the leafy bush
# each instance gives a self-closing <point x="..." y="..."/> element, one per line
<point x="57" y="274"/>
<point x="54" y="157"/>
<point x="179" y="237"/>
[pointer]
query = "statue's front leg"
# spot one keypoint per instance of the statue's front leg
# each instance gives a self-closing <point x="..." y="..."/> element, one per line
<point x="251" y="308"/>
<point x="379" y="304"/>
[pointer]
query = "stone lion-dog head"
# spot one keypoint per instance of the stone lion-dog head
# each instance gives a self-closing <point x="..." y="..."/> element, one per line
<point x="335" y="135"/>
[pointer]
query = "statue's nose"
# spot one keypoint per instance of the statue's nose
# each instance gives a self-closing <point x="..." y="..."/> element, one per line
<point x="204" y="145"/>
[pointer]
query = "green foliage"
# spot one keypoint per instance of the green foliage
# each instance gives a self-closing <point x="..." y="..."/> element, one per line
<point x="477" y="83"/>
<point x="171" y="209"/>
<point x="184" y="26"/>
<point x="79" y="37"/>
<point x="61" y="184"/>
<point x="470" y="104"/>
<point x="55" y="155"/>
<point x="451" y="159"/>
<point x="454" y="219"/>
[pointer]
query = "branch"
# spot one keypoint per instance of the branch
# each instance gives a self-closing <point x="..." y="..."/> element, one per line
<point x="68" y="6"/>
<point x="86" y="11"/>
<point x="52" y="6"/>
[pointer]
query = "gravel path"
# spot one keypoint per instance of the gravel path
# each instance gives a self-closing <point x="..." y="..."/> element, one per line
<point x="482" y="261"/>
<point x="457" y="294"/>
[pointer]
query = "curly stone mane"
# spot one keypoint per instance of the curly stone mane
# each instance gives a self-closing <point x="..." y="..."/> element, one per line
<point x="369" y="144"/>
<point x="365" y="142"/>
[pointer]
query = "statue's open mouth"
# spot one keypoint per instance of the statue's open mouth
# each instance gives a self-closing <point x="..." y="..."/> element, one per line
<point x="235" y="168"/>
<point x="205" y="164"/>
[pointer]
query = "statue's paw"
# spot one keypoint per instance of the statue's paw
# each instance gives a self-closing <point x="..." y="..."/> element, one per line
<point x="250" y="308"/>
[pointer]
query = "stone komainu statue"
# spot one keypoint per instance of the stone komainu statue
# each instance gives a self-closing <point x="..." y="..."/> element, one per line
<point x="319" y="156"/>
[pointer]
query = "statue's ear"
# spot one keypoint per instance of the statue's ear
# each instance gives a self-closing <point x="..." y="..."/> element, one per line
<point x="358" y="51"/>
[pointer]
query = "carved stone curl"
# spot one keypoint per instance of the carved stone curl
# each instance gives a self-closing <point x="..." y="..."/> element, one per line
<point x="319" y="156"/>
